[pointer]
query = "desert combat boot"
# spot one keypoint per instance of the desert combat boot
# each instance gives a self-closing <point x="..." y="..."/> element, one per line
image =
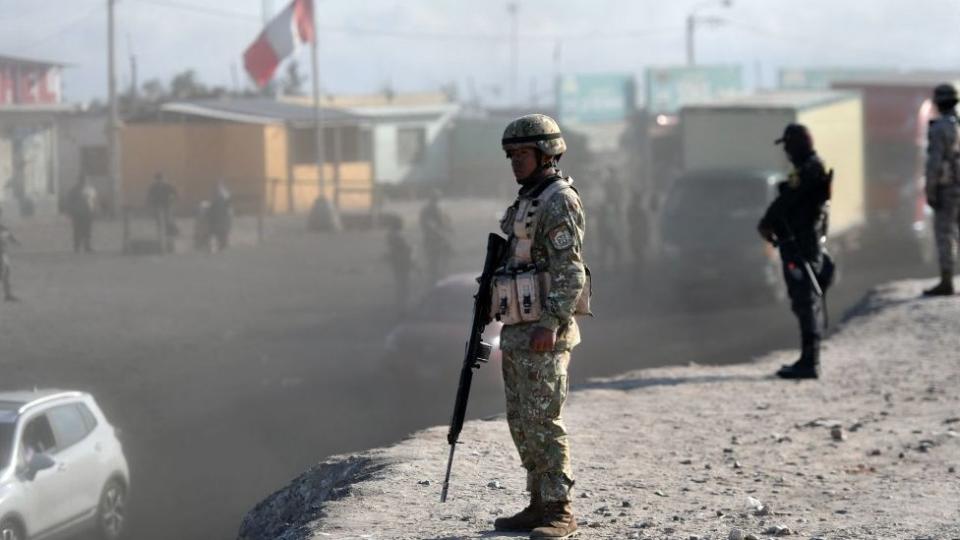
<point x="524" y="520"/>
<point x="558" y="521"/>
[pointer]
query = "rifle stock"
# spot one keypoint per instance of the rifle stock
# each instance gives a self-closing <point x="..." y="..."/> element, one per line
<point x="477" y="351"/>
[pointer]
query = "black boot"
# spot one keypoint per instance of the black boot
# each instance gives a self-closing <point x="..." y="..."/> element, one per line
<point x="944" y="288"/>
<point x="807" y="367"/>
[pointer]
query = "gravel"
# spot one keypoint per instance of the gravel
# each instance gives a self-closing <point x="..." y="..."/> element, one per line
<point x="891" y="370"/>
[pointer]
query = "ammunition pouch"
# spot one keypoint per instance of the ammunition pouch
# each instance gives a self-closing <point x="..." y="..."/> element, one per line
<point x="520" y="296"/>
<point x="518" y="291"/>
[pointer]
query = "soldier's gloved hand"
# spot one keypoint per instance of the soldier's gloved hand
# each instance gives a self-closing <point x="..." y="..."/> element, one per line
<point x="933" y="202"/>
<point x="543" y="340"/>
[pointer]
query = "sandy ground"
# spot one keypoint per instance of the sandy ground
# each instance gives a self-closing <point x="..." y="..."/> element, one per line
<point x="869" y="451"/>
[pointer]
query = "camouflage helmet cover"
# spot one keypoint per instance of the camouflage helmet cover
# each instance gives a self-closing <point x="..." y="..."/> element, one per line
<point x="534" y="131"/>
<point x="945" y="93"/>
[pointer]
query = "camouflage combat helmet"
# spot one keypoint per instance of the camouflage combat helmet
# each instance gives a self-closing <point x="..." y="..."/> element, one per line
<point x="945" y="94"/>
<point x="534" y="131"/>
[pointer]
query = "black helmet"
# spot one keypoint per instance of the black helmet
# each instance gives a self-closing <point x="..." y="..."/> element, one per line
<point x="797" y="142"/>
<point x="945" y="94"/>
<point x="795" y="133"/>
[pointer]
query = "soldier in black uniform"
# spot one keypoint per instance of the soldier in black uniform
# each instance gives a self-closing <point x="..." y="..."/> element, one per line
<point x="796" y="222"/>
<point x="6" y="238"/>
<point x="161" y="196"/>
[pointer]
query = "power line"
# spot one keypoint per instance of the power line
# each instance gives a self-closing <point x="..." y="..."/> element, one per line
<point x="779" y="35"/>
<point x="414" y="34"/>
<point x="205" y="10"/>
<point x="62" y="30"/>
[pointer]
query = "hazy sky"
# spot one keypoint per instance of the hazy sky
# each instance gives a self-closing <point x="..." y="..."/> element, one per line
<point x="422" y="44"/>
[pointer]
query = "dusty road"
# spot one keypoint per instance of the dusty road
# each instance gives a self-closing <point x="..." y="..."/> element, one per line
<point x="230" y="374"/>
<point x="870" y="451"/>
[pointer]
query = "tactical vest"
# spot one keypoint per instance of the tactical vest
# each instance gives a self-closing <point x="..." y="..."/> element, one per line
<point x="519" y="288"/>
<point x="950" y="168"/>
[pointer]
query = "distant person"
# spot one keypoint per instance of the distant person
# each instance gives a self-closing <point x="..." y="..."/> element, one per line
<point x="161" y="196"/>
<point x="437" y="229"/>
<point x="400" y="258"/>
<point x="202" y="237"/>
<point x="943" y="185"/>
<point x="220" y="215"/>
<point x="609" y="240"/>
<point x="82" y="208"/>
<point x="796" y="222"/>
<point x="638" y="227"/>
<point x="6" y="240"/>
<point x="545" y="226"/>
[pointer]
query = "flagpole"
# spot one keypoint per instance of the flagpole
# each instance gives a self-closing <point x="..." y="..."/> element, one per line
<point x="331" y="211"/>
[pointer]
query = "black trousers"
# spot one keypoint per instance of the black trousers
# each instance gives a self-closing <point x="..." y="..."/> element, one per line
<point x="82" y="234"/>
<point x="804" y="302"/>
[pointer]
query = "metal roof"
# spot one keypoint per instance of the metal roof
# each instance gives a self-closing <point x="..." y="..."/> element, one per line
<point x="34" y="61"/>
<point x="399" y="113"/>
<point x="255" y="111"/>
<point x="778" y="100"/>
<point x="34" y="108"/>
<point x="270" y="111"/>
<point x="925" y="79"/>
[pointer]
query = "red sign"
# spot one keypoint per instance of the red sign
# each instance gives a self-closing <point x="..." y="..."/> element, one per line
<point x="29" y="84"/>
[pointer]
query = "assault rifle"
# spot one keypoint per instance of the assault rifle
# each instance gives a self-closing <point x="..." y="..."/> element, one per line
<point x="477" y="350"/>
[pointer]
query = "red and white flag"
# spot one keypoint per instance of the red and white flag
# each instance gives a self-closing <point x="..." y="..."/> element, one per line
<point x="283" y="34"/>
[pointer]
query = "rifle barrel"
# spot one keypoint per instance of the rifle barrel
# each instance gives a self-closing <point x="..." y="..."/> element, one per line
<point x="476" y="350"/>
<point x="446" y="479"/>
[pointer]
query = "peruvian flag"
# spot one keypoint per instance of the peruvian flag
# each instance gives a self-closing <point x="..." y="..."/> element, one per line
<point x="288" y="30"/>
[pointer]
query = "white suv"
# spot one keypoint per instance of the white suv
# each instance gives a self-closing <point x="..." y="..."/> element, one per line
<point x="62" y="470"/>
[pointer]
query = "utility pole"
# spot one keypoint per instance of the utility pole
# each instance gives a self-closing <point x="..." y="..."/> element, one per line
<point x="133" y="77"/>
<point x="557" y="67"/>
<point x="266" y="10"/>
<point x="134" y="83"/>
<point x="331" y="211"/>
<point x="512" y="8"/>
<point x="113" y="128"/>
<point x="691" y="29"/>
<point x="693" y="20"/>
<point x="235" y="77"/>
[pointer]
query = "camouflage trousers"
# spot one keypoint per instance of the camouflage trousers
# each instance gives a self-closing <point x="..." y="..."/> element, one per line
<point x="946" y="227"/>
<point x="536" y="388"/>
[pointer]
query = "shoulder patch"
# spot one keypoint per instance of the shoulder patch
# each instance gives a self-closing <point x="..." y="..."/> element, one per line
<point x="561" y="237"/>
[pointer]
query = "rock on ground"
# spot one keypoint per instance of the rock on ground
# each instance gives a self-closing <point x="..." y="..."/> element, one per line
<point x="694" y="451"/>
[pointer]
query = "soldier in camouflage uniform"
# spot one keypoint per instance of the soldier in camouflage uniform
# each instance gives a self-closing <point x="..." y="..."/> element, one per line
<point x="536" y="355"/>
<point x="943" y="184"/>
